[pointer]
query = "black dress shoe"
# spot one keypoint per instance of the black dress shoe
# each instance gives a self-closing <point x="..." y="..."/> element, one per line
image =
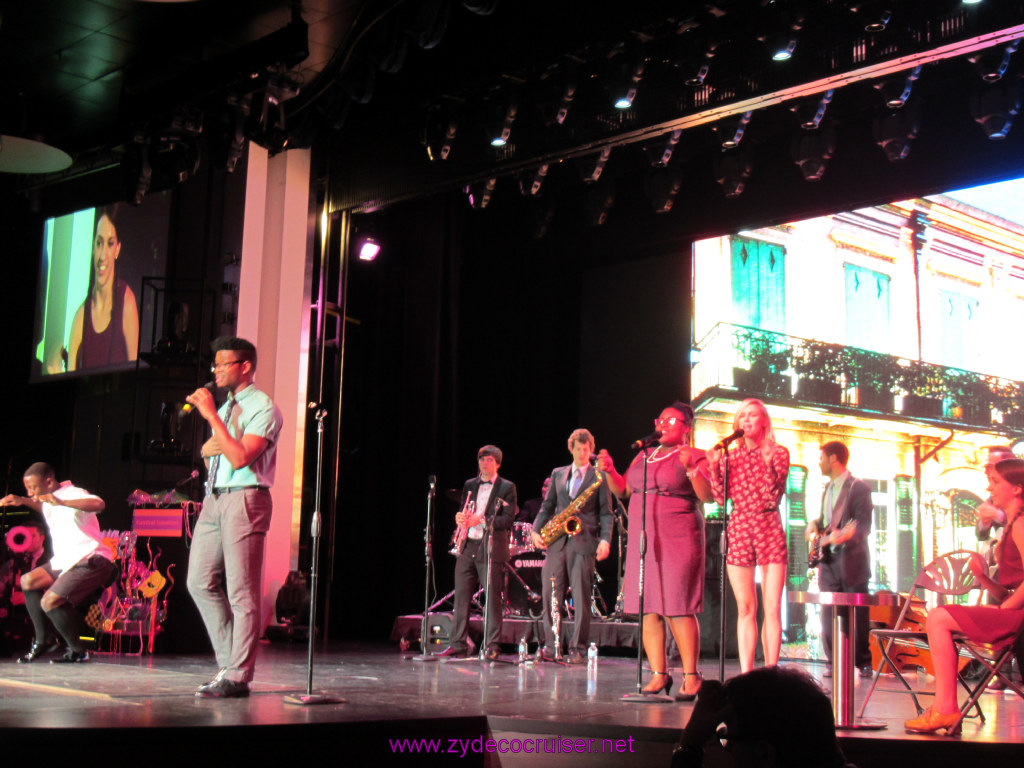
<point x="38" y="649"/>
<point x="453" y="652"/>
<point x="219" y="676"/>
<point x="492" y="653"/>
<point x="576" y="656"/>
<point x="71" y="657"/>
<point x="224" y="689"/>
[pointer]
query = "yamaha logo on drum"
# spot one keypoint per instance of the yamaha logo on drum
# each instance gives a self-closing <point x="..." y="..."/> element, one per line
<point x="531" y="563"/>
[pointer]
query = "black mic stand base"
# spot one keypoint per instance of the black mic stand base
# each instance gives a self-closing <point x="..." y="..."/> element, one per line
<point x="647" y="698"/>
<point x="310" y="699"/>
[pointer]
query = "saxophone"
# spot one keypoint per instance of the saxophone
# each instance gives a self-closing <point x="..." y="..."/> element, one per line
<point x="567" y="521"/>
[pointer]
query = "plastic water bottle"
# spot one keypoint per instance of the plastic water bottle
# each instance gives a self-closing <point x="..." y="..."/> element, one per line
<point x="592" y="658"/>
<point x="523" y="650"/>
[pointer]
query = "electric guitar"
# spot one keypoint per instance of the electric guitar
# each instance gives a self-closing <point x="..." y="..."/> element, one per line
<point x="820" y="549"/>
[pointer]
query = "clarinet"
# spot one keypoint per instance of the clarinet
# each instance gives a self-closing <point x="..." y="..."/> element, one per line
<point x="556" y="620"/>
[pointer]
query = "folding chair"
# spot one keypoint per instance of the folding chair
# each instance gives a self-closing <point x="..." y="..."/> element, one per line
<point x="946" y="576"/>
<point x="997" y="660"/>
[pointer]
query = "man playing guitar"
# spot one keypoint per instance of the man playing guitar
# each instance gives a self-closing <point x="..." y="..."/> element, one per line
<point x="845" y="566"/>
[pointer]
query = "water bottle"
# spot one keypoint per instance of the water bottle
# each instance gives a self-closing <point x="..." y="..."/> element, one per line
<point x="523" y="650"/>
<point x="592" y="658"/>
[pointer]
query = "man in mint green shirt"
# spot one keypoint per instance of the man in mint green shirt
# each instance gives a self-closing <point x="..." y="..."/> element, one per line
<point x="226" y="561"/>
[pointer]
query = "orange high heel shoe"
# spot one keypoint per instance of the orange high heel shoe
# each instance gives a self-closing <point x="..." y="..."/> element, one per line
<point x="665" y="686"/>
<point x="931" y="720"/>
<point x="683" y="695"/>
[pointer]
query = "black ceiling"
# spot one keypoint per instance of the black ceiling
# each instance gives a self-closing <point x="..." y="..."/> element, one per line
<point x="102" y="78"/>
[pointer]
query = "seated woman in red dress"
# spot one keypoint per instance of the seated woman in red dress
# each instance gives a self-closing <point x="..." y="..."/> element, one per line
<point x="981" y="623"/>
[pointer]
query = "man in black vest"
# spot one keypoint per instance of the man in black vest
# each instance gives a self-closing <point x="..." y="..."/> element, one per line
<point x="485" y="518"/>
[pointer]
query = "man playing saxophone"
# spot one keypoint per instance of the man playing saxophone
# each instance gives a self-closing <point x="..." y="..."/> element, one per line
<point x="578" y="506"/>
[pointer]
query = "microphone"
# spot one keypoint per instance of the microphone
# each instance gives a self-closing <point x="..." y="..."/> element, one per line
<point x="646" y="442"/>
<point x="724" y="442"/>
<point x="190" y="476"/>
<point x="188" y="407"/>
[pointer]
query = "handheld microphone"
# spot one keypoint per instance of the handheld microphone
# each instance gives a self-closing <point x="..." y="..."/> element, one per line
<point x="646" y="442"/>
<point x="190" y="476"/>
<point x="724" y="442"/>
<point x="188" y="407"/>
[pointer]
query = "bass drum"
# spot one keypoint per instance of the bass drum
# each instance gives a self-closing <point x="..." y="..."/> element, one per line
<point x="523" y="585"/>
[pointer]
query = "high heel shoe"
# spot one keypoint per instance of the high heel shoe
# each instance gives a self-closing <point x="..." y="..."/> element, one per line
<point x="931" y="720"/>
<point x="683" y="695"/>
<point x="666" y="685"/>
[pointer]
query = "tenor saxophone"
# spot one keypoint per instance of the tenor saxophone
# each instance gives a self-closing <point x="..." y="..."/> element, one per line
<point x="567" y="522"/>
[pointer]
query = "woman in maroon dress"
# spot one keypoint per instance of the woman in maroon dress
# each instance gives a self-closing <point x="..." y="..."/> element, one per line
<point x="981" y="623"/>
<point x="674" y="565"/>
<point x="758" y="469"/>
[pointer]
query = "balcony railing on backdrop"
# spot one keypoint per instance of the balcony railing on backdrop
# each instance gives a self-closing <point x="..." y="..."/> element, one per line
<point x="757" y="363"/>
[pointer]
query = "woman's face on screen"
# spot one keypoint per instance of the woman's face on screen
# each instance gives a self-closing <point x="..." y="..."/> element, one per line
<point x="105" y="250"/>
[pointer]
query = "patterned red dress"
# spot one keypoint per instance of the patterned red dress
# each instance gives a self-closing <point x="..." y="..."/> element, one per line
<point x="756" y="536"/>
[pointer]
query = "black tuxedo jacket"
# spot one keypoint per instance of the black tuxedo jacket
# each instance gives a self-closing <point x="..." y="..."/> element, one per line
<point x="851" y="560"/>
<point x="596" y="515"/>
<point x="502" y="514"/>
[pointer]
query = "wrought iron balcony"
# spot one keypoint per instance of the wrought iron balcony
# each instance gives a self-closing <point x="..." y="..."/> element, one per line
<point x="740" y="362"/>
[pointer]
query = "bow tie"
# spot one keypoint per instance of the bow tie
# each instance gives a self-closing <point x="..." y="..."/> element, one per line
<point x="486" y="482"/>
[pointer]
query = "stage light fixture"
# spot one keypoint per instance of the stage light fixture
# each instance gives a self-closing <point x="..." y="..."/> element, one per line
<point x="592" y="166"/>
<point x="874" y="15"/>
<point x="896" y="90"/>
<point x="699" y="44"/>
<point x="266" y="125"/>
<point x="812" y="150"/>
<point x="895" y="132"/>
<point x="992" y="63"/>
<point x="600" y="199"/>
<point x="369" y="248"/>
<point x="542" y="213"/>
<point x="531" y="181"/>
<point x="502" y="110"/>
<point x="659" y="151"/>
<point x="732" y="169"/>
<point x="627" y="71"/>
<point x="662" y="185"/>
<point x="730" y="130"/>
<point x="559" y="85"/>
<point x="811" y="112"/>
<point x="479" y="193"/>
<point x="994" y="107"/>
<point x="440" y="129"/>
<point x="786" y="26"/>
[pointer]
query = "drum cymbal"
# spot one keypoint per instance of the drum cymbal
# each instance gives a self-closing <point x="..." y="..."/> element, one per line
<point x="453" y="494"/>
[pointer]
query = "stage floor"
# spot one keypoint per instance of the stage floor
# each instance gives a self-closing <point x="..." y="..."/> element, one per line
<point x="147" y="703"/>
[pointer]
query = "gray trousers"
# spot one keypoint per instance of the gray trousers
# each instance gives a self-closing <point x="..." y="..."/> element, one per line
<point x="225" y="572"/>
<point x="566" y="564"/>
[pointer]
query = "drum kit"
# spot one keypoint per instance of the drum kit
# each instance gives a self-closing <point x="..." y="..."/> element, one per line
<point x="522" y="583"/>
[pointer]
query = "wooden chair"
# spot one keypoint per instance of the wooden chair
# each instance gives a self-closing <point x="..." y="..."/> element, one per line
<point x="946" y="577"/>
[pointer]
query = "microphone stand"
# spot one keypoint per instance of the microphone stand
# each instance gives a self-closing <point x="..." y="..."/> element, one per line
<point x="723" y="548"/>
<point x="309" y="697"/>
<point x="428" y="554"/>
<point x="640" y="697"/>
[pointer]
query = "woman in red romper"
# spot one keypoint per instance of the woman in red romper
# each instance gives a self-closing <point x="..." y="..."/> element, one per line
<point x="758" y="468"/>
